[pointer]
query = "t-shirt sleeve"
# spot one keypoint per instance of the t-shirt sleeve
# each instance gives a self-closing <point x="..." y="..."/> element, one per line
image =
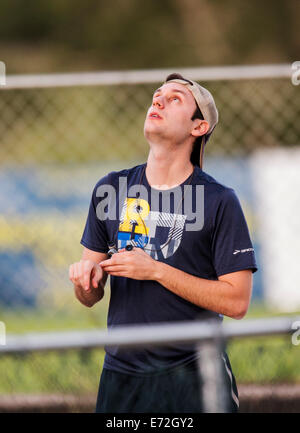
<point x="232" y="249"/>
<point x="95" y="236"/>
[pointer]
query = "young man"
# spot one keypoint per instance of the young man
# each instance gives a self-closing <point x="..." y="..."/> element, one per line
<point x="191" y="255"/>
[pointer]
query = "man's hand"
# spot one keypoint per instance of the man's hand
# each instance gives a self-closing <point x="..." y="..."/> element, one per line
<point x="230" y="295"/>
<point x="134" y="264"/>
<point x="87" y="277"/>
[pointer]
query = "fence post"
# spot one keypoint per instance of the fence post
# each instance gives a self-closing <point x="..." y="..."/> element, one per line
<point x="213" y="395"/>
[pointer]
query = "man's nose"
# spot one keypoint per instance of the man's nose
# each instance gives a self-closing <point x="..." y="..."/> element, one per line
<point x="158" y="102"/>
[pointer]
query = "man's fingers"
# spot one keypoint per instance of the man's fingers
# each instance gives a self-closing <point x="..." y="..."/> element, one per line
<point x="75" y="271"/>
<point x="95" y="282"/>
<point x="86" y="279"/>
<point x="96" y="277"/>
<point x="108" y="262"/>
<point x="86" y="275"/>
<point x="86" y="270"/>
<point x="117" y="268"/>
<point x="80" y="273"/>
<point x="71" y="272"/>
<point x="118" y="274"/>
<point x="117" y="259"/>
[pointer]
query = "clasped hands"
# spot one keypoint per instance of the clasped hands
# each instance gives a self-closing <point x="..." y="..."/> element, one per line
<point x="136" y="264"/>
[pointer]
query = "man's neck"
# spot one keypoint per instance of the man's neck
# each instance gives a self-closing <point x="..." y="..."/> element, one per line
<point x="165" y="170"/>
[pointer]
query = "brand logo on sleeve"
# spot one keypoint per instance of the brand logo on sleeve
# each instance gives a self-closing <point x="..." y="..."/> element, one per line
<point x="246" y="250"/>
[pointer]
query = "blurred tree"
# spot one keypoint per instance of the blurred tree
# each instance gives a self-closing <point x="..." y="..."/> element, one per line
<point x="99" y="34"/>
<point x="224" y="32"/>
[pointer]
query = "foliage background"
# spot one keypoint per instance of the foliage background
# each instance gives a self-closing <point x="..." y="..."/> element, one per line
<point x="75" y="35"/>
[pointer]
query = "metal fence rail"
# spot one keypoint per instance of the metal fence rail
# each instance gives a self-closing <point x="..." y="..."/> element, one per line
<point x="209" y="337"/>
<point x="143" y="336"/>
<point x="246" y="72"/>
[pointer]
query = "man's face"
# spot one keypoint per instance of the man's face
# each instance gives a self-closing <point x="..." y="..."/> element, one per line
<point x="169" y="117"/>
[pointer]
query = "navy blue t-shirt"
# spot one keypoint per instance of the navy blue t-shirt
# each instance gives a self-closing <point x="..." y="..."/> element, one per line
<point x="198" y="227"/>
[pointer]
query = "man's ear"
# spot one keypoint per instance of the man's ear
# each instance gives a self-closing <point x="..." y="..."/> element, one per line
<point x="201" y="127"/>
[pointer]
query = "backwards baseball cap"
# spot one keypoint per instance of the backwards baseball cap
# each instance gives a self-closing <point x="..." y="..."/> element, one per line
<point x="204" y="101"/>
<point x="203" y="98"/>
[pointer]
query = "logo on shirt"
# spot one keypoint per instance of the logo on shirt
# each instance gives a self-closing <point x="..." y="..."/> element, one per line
<point x="159" y="233"/>
<point x="246" y="250"/>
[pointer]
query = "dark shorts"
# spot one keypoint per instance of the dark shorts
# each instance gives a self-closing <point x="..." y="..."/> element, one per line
<point x="175" y="391"/>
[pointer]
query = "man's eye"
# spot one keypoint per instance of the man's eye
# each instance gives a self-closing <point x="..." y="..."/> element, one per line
<point x="174" y="98"/>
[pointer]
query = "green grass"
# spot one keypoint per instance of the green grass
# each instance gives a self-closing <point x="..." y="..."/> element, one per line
<point x="254" y="360"/>
<point x="75" y="371"/>
<point x="264" y="359"/>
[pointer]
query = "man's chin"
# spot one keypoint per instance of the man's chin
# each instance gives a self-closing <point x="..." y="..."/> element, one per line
<point x="153" y="134"/>
<point x="152" y="129"/>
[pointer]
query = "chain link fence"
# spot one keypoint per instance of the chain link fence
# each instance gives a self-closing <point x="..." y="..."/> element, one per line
<point x="58" y="139"/>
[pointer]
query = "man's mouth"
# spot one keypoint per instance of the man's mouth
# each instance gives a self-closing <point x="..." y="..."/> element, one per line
<point x="154" y="115"/>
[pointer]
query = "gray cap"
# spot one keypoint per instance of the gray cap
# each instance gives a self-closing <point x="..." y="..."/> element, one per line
<point x="204" y="100"/>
